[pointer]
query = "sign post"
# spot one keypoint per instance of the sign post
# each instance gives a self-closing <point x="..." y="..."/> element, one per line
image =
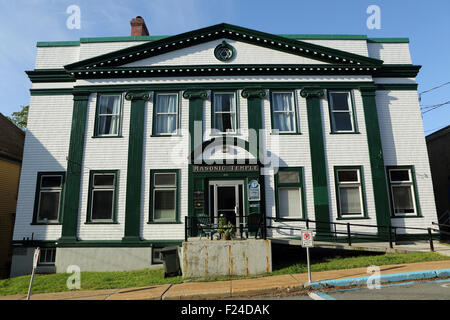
<point x="35" y="262"/>
<point x="307" y="242"/>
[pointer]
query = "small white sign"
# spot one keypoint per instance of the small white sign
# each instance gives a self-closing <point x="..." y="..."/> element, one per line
<point x="307" y="239"/>
<point x="36" y="257"/>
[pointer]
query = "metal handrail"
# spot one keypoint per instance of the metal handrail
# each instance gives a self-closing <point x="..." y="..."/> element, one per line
<point x="349" y="233"/>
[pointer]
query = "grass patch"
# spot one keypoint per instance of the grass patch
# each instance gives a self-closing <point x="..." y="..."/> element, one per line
<point x="286" y="260"/>
<point x="44" y="283"/>
<point x="324" y="260"/>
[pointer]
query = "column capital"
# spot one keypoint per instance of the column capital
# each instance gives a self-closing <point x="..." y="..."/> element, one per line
<point x="253" y="93"/>
<point x="368" y="91"/>
<point x="81" y="95"/>
<point x="138" y="95"/>
<point x="312" y="93"/>
<point x="195" y="94"/>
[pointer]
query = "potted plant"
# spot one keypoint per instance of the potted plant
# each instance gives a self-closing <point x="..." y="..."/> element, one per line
<point x="226" y="230"/>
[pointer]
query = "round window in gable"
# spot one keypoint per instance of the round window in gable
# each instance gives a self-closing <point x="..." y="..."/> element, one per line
<point x="224" y="52"/>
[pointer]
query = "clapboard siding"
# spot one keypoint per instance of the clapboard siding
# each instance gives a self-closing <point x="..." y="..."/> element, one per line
<point x="404" y="144"/>
<point x="46" y="148"/>
<point x="104" y="154"/>
<point x="203" y="54"/>
<point x="390" y="53"/>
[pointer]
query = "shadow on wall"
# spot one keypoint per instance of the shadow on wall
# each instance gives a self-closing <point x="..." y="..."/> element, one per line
<point x="37" y="158"/>
<point x="387" y="128"/>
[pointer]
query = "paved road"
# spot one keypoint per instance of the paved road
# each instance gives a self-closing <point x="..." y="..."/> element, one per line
<point x="416" y="290"/>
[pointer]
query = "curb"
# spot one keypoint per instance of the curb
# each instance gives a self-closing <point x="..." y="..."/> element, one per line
<point x="417" y="275"/>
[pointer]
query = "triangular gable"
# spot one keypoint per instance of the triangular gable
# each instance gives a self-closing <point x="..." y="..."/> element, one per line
<point x="196" y="37"/>
<point x="204" y="54"/>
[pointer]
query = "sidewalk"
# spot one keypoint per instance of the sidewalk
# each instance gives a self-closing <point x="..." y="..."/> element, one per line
<point x="230" y="288"/>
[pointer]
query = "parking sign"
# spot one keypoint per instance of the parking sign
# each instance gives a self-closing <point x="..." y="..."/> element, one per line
<point x="307" y="239"/>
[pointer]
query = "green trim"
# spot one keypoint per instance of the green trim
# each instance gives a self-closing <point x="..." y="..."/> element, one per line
<point x="50" y="75"/>
<point x="388" y="40"/>
<point x="177" y="196"/>
<point x="154" y="38"/>
<point x="134" y="167"/>
<point x="89" y="204"/>
<point x="376" y="158"/>
<point x="213" y="114"/>
<point x="37" y="192"/>
<point x="301" y="184"/>
<point x="325" y="36"/>
<point x="62" y="75"/>
<point x="120" y="39"/>
<point x="418" y="214"/>
<point x="195" y="37"/>
<point x="397" y="86"/>
<point x="254" y="98"/>
<point x="51" y="92"/>
<point x="397" y="71"/>
<point x="41" y="44"/>
<point x="200" y="91"/>
<point x="74" y="164"/>
<point x="177" y="131"/>
<point x="296" y="119"/>
<point x="318" y="162"/>
<point x="363" y="193"/>
<point x="120" y="244"/>
<point x="106" y="137"/>
<point x="119" y="129"/>
<point x="330" y="113"/>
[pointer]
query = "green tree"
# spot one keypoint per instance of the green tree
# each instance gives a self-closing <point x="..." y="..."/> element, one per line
<point x="20" y="118"/>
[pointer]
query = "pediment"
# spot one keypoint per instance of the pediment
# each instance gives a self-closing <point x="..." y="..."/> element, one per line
<point x="178" y="48"/>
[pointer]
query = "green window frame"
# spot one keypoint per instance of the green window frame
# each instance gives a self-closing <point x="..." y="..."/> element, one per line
<point x="214" y="130"/>
<point x="333" y="112"/>
<point x="117" y="115"/>
<point x="155" y="131"/>
<point x="94" y="187"/>
<point x="409" y="183"/>
<point x="342" y="182"/>
<point x="294" y="112"/>
<point x="43" y="189"/>
<point x="164" y="188"/>
<point x="284" y="181"/>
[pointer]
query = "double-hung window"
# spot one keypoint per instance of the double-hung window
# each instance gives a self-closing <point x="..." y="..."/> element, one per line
<point x="48" y="197"/>
<point x="102" y="196"/>
<point x="341" y="112"/>
<point x="349" y="189"/>
<point x="402" y="191"/>
<point x="164" y="196"/>
<point x="224" y="113"/>
<point x="108" y="115"/>
<point x="166" y="114"/>
<point x="283" y="112"/>
<point x="290" y="193"/>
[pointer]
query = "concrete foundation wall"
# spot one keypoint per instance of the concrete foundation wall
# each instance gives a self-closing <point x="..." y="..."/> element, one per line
<point x="103" y="259"/>
<point x="216" y="258"/>
<point x="22" y="262"/>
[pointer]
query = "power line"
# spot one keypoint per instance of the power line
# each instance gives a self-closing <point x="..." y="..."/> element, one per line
<point x="420" y="94"/>
<point x="433" y="107"/>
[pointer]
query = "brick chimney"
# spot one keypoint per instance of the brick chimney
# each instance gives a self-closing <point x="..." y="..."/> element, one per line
<point x="138" y="27"/>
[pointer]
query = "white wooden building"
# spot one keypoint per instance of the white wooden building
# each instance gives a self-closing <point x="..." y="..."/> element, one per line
<point x="128" y="136"/>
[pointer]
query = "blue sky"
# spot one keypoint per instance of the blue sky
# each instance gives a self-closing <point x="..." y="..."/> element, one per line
<point x="425" y="23"/>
